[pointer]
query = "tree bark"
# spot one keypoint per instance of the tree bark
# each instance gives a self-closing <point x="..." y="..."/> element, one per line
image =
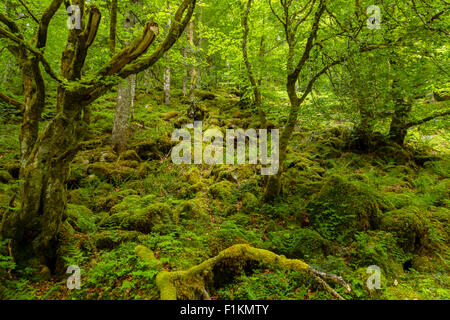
<point x="251" y="77"/>
<point x="125" y="100"/>
<point x="167" y="86"/>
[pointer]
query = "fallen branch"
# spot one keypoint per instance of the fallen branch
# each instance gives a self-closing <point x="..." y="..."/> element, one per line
<point x="192" y="283"/>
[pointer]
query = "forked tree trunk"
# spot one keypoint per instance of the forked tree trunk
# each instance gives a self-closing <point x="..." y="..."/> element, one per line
<point x="43" y="192"/>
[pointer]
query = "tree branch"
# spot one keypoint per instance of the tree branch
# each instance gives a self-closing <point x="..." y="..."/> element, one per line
<point x="38" y="54"/>
<point x="45" y="21"/>
<point x="12" y="101"/>
<point x="29" y="11"/>
<point x="422" y="121"/>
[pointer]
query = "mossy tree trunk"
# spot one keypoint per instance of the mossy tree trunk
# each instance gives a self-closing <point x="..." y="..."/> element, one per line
<point x="45" y="157"/>
<point x="273" y="187"/>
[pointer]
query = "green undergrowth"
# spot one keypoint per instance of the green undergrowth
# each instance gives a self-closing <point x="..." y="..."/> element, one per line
<point x="132" y="215"/>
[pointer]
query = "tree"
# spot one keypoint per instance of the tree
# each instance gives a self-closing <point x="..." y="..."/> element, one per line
<point x="125" y="94"/>
<point x="45" y="156"/>
<point x="251" y="77"/>
<point x="339" y="38"/>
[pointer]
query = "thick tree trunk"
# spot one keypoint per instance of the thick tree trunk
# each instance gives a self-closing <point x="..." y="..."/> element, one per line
<point x="34" y="228"/>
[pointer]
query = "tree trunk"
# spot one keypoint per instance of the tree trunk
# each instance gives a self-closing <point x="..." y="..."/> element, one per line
<point x="193" y="72"/>
<point x="273" y="187"/>
<point x="125" y="100"/>
<point x="167" y="86"/>
<point x="113" y="27"/>
<point x="399" y="128"/>
<point x="122" y="117"/>
<point x="45" y="158"/>
<point x="185" y="78"/>
<point x="251" y="77"/>
<point x="43" y="192"/>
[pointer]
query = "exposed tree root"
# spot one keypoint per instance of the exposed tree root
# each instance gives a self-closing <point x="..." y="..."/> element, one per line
<point x="192" y="283"/>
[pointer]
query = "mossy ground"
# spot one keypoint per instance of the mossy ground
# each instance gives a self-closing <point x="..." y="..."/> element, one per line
<point x="133" y="215"/>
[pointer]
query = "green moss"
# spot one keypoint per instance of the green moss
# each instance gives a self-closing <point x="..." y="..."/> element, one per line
<point x="140" y="219"/>
<point x="250" y="203"/>
<point x="81" y="218"/>
<point x="299" y="243"/>
<point x="409" y="227"/>
<point x="222" y="190"/>
<point x="113" y="199"/>
<point x="111" y="172"/>
<point x="5" y="177"/>
<point x="343" y="207"/>
<point x="110" y="239"/>
<point x="190" y="284"/>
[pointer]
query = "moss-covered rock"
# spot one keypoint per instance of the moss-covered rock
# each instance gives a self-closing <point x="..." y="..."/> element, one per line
<point x="5" y="176"/>
<point x="130" y="155"/>
<point x="195" y="209"/>
<point x="106" y="203"/>
<point x="192" y="175"/>
<point x="299" y="243"/>
<point x="170" y="115"/>
<point x="409" y="226"/>
<point x="112" y="172"/>
<point x="250" y="203"/>
<point x="81" y="218"/>
<point x="144" y="253"/>
<point x="153" y="149"/>
<point x="110" y="239"/>
<point x="140" y="219"/>
<point x="343" y="207"/>
<point x="222" y="190"/>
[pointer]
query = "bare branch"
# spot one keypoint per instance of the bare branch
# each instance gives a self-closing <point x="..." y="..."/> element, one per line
<point x="38" y="54"/>
<point x="12" y="101"/>
<point x="29" y="11"/>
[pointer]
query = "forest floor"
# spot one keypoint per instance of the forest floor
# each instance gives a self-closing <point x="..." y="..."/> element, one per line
<point x="131" y="216"/>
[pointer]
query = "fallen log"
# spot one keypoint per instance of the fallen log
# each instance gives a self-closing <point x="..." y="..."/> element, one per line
<point x="192" y="283"/>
